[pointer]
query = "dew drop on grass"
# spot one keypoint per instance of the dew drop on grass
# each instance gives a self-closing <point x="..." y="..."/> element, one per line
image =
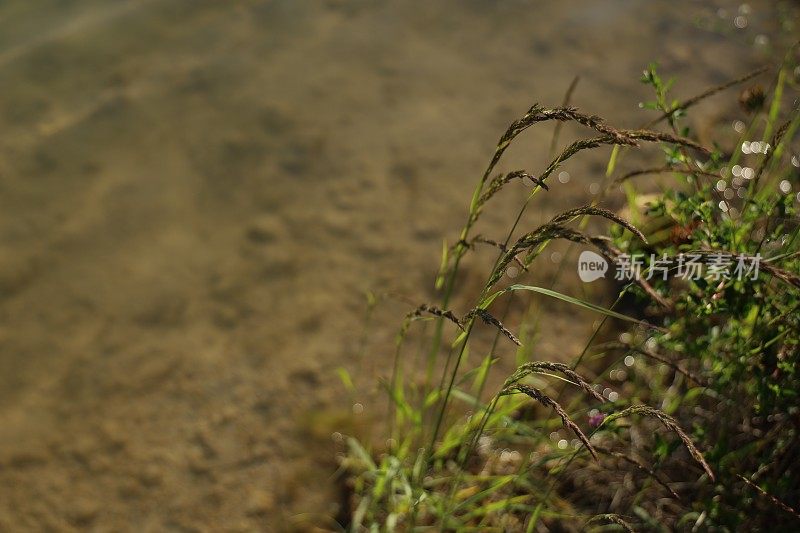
<point x="629" y="360"/>
<point x="785" y="187"/>
<point x="563" y="176"/>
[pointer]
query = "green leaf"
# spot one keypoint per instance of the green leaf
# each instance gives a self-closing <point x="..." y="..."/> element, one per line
<point x="612" y="161"/>
<point x="575" y="301"/>
<point x="442" y="267"/>
<point x="344" y="375"/>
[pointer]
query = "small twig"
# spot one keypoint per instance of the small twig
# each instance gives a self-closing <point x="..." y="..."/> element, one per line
<point x="770" y="497"/>
<point x="669" y="423"/>
<point x="435" y="311"/>
<point x="639" y="465"/>
<point x="686" y="104"/>
<point x="614" y="518"/>
<point x="564" y="103"/>
<point x="661" y="170"/>
<point x="489" y="319"/>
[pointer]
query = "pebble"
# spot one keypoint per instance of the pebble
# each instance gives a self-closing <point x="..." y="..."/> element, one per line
<point x="260" y="503"/>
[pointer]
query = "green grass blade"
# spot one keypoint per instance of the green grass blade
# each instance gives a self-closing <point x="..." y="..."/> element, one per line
<point x="575" y="301"/>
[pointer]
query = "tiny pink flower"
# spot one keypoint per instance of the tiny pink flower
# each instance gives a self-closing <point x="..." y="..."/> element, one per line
<point x="596" y="419"/>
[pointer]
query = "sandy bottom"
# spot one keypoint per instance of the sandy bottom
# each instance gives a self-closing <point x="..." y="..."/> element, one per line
<point x="195" y="196"/>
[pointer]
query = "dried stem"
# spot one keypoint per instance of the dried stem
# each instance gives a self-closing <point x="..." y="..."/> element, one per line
<point x="492" y="321"/>
<point x="545" y="400"/>
<point x="770" y="497"/>
<point x="686" y="104"/>
<point x="540" y="367"/>
<point x="614" y="518"/>
<point x="776" y="139"/>
<point x="640" y="466"/>
<point x="661" y="170"/>
<point x="435" y="311"/>
<point x="661" y="359"/>
<point x="669" y="423"/>
<point x="554" y="230"/>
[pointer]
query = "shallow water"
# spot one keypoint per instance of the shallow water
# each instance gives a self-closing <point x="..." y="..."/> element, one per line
<point x="195" y="196"/>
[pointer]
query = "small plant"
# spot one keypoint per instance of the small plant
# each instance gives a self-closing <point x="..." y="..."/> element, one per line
<point x="717" y="355"/>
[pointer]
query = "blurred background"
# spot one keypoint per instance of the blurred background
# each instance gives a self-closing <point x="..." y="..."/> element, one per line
<point x="195" y="197"/>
